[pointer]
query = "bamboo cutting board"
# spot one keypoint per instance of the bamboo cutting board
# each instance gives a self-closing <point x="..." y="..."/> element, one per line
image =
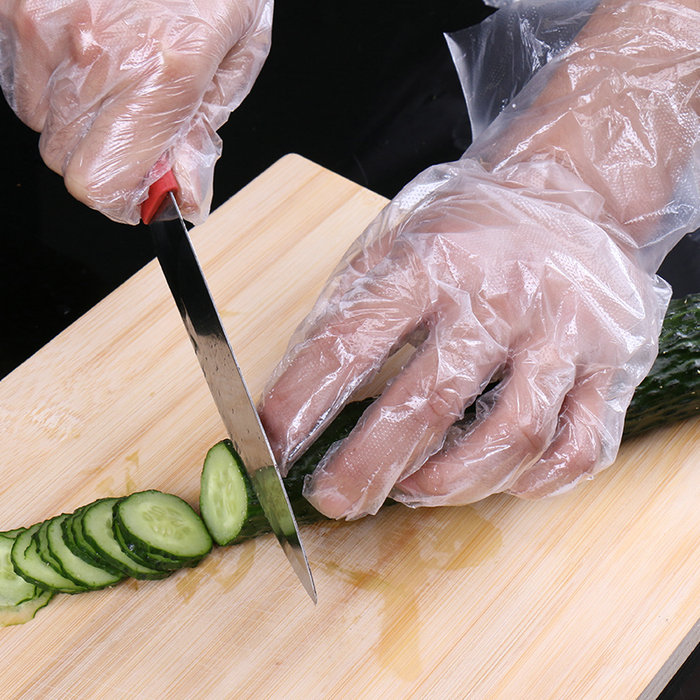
<point x="593" y="594"/>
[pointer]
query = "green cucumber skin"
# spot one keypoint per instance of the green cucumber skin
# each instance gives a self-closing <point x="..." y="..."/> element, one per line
<point x="670" y="393"/>
<point x="76" y="542"/>
<point x="671" y="390"/>
<point x="13" y="533"/>
<point x="42" y="544"/>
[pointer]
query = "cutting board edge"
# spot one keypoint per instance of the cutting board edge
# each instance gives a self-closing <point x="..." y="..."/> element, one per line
<point x="672" y="665"/>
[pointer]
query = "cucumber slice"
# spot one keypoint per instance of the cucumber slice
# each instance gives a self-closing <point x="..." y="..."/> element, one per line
<point x="75" y="539"/>
<point x="42" y="546"/>
<point x="225" y="493"/>
<point x="164" y="524"/>
<point x="13" y="533"/>
<point x="150" y="559"/>
<point x="13" y="588"/>
<point x="68" y="536"/>
<point x="25" y="611"/>
<point x="98" y="531"/>
<point x="31" y="567"/>
<point x="73" y="567"/>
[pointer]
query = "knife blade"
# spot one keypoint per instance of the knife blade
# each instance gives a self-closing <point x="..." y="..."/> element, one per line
<point x="222" y="372"/>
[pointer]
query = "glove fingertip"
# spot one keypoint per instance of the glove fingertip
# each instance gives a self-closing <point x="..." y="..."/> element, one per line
<point x="326" y="499"/>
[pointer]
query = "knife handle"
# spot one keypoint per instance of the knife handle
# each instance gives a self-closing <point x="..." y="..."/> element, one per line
<point x="157" y="192"/>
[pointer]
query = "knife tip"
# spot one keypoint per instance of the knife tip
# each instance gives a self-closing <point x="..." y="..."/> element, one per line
<point x="307" y="581"/>
<point x="300" y="564"/>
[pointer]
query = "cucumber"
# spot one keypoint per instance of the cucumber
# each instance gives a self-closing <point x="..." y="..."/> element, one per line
<point x="671" y="390"/>
<point x="31" y="567"/>
<point x="13" y="588"/>
<point x="67" y="533"/>
<point x="24" y="611"/>
<point x="225" y="493"/>
<point x="74" y="567"/>
<point x="13" y="533"/>
<point x="153" y="522"/>
<point x="76" y="541"/>
<point x="97" y="527"/>
<point x="42" y="546"/>
<point x="150" y="559"/>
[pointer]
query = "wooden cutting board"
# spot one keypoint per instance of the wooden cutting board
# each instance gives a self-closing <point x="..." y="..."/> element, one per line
<point x="594" y="594"/>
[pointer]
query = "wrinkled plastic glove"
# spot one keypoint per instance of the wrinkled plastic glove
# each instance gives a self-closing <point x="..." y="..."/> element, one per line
<point x="531" y="262"/>
<point x="122" y="91"/>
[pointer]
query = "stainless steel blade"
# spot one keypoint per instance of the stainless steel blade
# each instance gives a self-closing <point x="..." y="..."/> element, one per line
<point x="231" y="396"/>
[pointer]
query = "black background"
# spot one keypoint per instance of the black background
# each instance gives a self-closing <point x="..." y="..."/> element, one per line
<point x="366" y="89"/>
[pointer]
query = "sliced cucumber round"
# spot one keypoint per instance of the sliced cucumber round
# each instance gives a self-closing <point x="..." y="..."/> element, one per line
<point x="150" y="559"/>
<point x="13" y="533"/>
<point x="13" y="588"/>
<point x="162" y="524"/>
<point x="30" y="566"/>
<point x="98" y="531"/>
<point x="25" y="611"/>
<point x="68" y="536"/>
<point x="73" y="567"/>
<point x="42" y="546"/>
<point x="76" y="540"/>
<point x="225" y="493"/>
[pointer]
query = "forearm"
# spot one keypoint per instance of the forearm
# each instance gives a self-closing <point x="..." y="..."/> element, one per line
<point x="619" y="109"/>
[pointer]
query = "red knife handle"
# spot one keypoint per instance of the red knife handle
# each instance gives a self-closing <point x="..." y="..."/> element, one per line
<point x="157" y="192"/>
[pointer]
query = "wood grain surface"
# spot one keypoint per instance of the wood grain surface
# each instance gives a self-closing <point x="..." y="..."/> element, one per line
<point x="587" y="595"/>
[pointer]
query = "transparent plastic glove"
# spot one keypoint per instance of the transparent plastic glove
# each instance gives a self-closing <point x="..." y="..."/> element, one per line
<point x="530" y="261"/>
<point x="114" y="86"/>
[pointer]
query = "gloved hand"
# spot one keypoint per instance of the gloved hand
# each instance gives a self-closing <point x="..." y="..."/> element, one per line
<point x="115" y="86"/>
<point x="530" y="261"/>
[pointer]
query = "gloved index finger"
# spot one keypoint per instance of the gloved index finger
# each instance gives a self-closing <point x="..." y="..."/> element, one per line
<point x="346" y="343"/>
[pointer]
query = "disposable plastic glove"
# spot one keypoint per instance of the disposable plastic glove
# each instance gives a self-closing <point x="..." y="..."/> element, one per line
<point x="530" y="261"/>
<point x="118" y="87"/>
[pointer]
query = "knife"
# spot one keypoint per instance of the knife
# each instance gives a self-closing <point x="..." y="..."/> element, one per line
<point x="184" y="276"/>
